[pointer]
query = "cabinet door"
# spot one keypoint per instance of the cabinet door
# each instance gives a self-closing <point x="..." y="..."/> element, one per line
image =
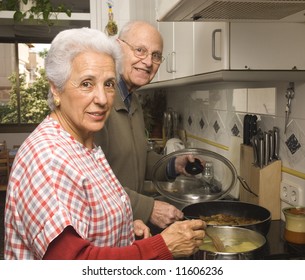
<point x="267" y="46"/>
<point x="143" y="10"/>
<point x="167" y="68"/>
<point x="211" y="41"/>
<point x="183" y="48"/>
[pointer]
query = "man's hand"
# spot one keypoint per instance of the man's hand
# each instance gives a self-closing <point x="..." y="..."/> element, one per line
<point x="140" y="229"/>
<point x="181" y="161"/>
<point x="164" y="214"/>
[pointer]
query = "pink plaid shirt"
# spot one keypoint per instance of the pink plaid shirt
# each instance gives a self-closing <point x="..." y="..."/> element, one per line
<point x="56" y="182"/>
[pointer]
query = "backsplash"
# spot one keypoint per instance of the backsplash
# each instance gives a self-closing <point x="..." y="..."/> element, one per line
<point x="212" y="115"/>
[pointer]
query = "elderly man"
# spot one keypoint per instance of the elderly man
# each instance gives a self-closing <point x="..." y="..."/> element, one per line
<point x="123" y="139"/>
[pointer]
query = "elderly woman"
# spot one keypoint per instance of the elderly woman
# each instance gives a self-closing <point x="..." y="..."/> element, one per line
<point x="63" y="200"/>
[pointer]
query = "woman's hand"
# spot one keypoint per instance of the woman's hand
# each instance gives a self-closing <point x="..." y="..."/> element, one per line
<point x="183" y="238"/>
<point x="140" y="229"/>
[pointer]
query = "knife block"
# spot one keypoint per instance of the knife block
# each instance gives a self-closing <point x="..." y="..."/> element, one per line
<point x="265" y="182"/>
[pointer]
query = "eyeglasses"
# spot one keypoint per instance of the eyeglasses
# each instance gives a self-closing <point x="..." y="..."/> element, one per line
<point x="142" y="52"/>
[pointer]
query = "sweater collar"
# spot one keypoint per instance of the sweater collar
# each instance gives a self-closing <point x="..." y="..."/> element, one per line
<point x="123" y="99"/>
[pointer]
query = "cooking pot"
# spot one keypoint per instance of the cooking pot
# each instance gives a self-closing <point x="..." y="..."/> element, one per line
<point x="233" y="208"/>
<point x="240" y="244"/>
<point x="207" y="185"/>
<point x="294" y="224"/>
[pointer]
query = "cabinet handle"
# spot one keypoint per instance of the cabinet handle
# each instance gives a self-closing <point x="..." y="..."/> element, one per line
<point x="167" y="63"/>
<point x="173" y="68"/>
<point x="171" y="62"/>
<point x="214" y="44"/>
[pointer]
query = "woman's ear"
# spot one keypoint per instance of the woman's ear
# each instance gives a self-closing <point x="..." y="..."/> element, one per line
<point x="56" y="95"/>
<point x="54" y="91"/>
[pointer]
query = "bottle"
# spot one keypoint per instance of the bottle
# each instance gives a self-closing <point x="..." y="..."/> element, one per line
<point x="208" y="172"/>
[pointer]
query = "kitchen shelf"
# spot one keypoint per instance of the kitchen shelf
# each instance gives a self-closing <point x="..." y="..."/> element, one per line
<point x="233" y="76"/>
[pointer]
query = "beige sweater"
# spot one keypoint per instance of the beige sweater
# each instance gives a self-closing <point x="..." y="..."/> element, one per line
<point x="124" y="143"/>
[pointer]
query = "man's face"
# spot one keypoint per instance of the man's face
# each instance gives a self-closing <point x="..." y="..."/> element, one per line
<point x="137" y="71"/>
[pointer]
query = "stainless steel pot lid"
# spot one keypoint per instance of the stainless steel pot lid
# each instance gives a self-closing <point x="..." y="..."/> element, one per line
<point x="214" y="181"/>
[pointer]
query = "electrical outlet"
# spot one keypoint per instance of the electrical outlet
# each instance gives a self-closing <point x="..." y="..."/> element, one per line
<point x="284" y="192"/>
<point x="292" y="194"/>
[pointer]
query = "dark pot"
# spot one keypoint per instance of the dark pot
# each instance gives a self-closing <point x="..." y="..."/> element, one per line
<point x="235" y="208"/>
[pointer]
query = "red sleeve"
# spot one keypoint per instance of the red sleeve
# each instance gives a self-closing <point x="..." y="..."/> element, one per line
<point x="70" y="246"/>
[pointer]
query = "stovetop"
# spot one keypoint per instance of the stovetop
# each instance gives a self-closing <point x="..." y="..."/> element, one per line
<point x="278" y="248"/>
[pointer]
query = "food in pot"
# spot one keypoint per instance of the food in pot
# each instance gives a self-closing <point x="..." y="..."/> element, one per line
<point x="239" y="243"/>
<point x="231" y="246"/>
<point x="227" y="220"/>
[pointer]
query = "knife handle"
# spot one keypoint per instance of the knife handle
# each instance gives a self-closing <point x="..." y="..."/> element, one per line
<point x="271" y="145"/>
<point x="254" y="143"/>
<point x="253" y="126"/>
<point x="266" y="148"/>
<point x="261" y="152"/>
<point x="246" y="136"/>
<point x="276" y="143"/>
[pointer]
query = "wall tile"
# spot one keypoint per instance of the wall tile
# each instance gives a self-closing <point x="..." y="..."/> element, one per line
<point x="234" y="124"/>
<point x="238" y="100"/>
<point x="218" y="99"/>
<point x="293" y="145"/>
<point x="261" y="100"/>
<point x="227" y="105"/>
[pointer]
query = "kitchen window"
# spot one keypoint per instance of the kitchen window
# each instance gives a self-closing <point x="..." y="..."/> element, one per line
<point x="23" y="87"/>
<point x="23" y="84"/>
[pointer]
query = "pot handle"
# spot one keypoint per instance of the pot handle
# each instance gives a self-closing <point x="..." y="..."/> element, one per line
<point x="246" y="186"/>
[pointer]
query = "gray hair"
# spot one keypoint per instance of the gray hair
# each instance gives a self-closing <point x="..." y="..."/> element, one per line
<point x="136" y="23"/>
<point x="67" y="45"/>
<point x="126" y="28"/>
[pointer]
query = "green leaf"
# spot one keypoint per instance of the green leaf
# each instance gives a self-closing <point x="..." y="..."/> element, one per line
<point x="68" y="12"/>
<point x="18" y="16"/>
<point x="46" y="14"/>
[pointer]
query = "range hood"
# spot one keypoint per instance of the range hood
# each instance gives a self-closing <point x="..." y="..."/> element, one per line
<point x="231" y="10"/>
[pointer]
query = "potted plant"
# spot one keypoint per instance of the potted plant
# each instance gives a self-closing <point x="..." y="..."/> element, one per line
<point x="40" y="10"/>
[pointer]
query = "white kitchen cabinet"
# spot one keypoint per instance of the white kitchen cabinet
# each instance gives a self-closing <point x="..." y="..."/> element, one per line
<point x="177" y="50"/>
<point x="248" y="46"/>
<point x="273" y="51"/>
<point x="183" y="47"/>
<point x="193" y="48"/>
<point x="267" y="46"/>
<point x="210" y="47"/>
<point x="167" y="68"/>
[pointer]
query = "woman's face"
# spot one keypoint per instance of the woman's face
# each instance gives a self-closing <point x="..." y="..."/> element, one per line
<point x="88" y="95"/>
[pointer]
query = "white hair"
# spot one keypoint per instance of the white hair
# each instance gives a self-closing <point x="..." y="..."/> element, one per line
<point x="70" y="43"/>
